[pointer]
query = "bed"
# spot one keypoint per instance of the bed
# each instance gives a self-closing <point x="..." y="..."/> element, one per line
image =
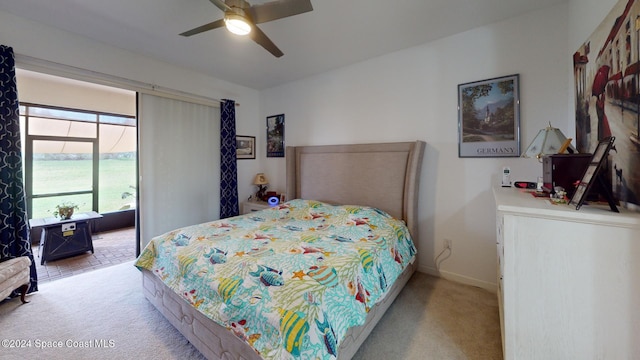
<point x="324" y="183"/>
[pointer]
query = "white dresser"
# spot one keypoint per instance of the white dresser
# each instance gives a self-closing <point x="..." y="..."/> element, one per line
<point x="568" y="280"/>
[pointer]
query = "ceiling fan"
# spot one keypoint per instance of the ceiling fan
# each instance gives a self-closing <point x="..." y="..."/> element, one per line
<point x="241" y="18"/>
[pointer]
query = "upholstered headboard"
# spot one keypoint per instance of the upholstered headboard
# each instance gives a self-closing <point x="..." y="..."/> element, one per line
<point x="383" y="175"/>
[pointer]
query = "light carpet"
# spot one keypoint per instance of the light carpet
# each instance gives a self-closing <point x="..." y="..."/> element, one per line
<point x="103" y="315"/>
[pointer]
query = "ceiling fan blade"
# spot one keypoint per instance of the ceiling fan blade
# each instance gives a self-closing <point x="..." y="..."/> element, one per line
<point x="274" y="10"/>
<point x="210" y="26"/>
<point x="221" y="5"/>
<point x="263" y="40"/>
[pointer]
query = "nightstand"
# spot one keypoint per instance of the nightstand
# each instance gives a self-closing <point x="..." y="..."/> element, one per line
<point x="253" y="205"/>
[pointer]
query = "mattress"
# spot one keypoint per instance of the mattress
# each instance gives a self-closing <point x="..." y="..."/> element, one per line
<point x="294" y="281"/>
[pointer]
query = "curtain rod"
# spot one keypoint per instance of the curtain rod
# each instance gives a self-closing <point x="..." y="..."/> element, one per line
<point x="52" y="68"/>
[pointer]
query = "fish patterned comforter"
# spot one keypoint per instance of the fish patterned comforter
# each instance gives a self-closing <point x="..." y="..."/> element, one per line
<point x="289" y="280"/>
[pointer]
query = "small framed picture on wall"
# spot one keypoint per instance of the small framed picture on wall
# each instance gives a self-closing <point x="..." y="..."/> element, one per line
<point x="275" y="136"/>
<point x="245" y="147"/>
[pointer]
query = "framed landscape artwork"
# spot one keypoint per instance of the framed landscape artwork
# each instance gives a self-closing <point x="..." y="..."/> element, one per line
<point x="245" y="147"/>
<point x="275" y="136"/>
<point x="489" y="118"/>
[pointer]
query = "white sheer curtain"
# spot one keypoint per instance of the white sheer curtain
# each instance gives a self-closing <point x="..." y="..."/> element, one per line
<point x="179" y="153"/>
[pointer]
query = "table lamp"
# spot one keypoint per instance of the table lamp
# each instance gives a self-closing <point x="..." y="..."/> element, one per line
<point x="549" y="141"/>
<point x="261" y="181"/>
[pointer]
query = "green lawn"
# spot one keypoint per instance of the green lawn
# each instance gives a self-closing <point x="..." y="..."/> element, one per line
<point x="117" y="176"/>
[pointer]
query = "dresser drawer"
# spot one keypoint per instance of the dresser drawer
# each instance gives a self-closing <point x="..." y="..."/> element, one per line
<point x="500" y="244"/>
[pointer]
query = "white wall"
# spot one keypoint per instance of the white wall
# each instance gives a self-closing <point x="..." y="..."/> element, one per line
<point x="32" y="39"/>
<point x="38" y="88"/>
<point x="412" y="94"/>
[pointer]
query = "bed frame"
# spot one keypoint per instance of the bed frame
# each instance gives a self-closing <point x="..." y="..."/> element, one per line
<point x="384" y="175"/>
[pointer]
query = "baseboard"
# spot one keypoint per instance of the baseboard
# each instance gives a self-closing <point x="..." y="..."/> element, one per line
<point x="459" y="278"/>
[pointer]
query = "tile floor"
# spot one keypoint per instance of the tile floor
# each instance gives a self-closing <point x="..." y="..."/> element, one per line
<point x="110" y="248"/>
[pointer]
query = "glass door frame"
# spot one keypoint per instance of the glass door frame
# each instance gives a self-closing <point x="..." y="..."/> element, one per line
<point x="30" y="139"/>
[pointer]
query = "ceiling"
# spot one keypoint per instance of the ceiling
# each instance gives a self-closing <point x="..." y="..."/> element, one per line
<point x="335" y="34"/>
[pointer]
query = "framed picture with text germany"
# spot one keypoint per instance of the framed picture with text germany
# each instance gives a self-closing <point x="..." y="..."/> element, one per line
<point x="489" y="118"/>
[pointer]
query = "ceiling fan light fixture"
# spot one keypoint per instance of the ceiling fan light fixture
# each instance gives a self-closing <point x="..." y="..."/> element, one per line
<point x="237" y="24"/>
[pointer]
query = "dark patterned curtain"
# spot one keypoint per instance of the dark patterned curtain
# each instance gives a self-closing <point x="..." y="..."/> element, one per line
<point x="228" y="165"/>
<point x="14" y="238"/>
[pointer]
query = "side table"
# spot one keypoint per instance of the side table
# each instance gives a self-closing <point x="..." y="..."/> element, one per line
<point x="64" y="238"/>
<point x="253" y="205"/>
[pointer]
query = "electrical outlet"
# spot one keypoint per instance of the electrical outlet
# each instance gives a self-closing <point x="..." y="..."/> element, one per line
<point x="447" y="244"/>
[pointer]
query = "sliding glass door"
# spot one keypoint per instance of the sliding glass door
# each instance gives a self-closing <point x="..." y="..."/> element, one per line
<point x="83" y="157"/>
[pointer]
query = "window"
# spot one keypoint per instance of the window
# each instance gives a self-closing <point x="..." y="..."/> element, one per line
<point x="85" y="157"/>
